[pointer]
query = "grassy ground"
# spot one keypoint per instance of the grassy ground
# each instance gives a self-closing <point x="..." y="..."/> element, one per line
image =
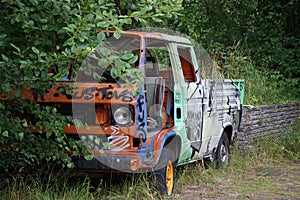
<point x="271" y="171"/>
<point x="246" y="179"/>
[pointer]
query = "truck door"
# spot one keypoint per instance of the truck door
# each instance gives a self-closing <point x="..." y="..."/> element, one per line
<point x="190" y="85"/>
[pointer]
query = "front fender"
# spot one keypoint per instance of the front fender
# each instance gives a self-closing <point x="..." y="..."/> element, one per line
<point x="160" y="141"/>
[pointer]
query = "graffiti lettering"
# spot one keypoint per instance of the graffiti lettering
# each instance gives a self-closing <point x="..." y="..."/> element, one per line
<point x="118" y="141"/>
<point x="87" y="94"/>
<point x="194" y="124"/>
<point x="141" y="117"/>
<point x="194" y="116"/>
<point x="141" y="114"/>
<point x="106" y="93"/>
<point x="125" y="95"/>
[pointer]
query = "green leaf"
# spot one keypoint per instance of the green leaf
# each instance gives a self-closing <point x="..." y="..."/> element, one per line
<point x="61" y="90"/>
<point x="91" y="137"/>
<point x="35" y="50"/>
<point x="21" y="135"/>
<point x="113" y="72"/>
<point x="119" y="64"/>
<point x="69" y="92"/>
<point x="77" y="123"/>
<point x="23" y="63"/>
<point x="34" y="2"/>
<point x="97" y="77"/>
<point x="4" y="58"/>
<point x="117" y="34"/>
<point x="83" y="138"/>
<point x="102" y="51"/>
<point x="113" y="57"/>
<point x="24" y="124"/>
<point x="135" y="14"/>
<point x="101" y="36"/>
<point x="103" y="63"/>
<point x="18" y="92"/>
<point x="98" y="141"/>
<point x="127" y="56"/>
<point x="127" y="21"/>
<point x="77" y="51"/>
<point x="102" y="152"/>
<point x="88" y="157"/>
<point x="133" y="59"/>
<point x="48" y="134"/>
<point x="70" y="165"/>
<point x="5" y="133"/>
<point x="157" y="19"/>
<point x="88" y="72"/>
<point x="15" y="47"/>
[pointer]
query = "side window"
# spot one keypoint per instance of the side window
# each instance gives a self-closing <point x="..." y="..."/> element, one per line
<point x="158" y="60"/>
<point x="187" y="66"/>
<point x="160" y="57"/>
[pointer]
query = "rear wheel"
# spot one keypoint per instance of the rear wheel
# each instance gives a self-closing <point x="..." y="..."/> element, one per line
<point x="222" y="153"/>
<point x="165" y="172"/>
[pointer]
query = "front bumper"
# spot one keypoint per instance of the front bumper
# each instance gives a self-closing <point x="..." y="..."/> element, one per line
<point x="121" y="162"/>
<point x="105" y="163"/>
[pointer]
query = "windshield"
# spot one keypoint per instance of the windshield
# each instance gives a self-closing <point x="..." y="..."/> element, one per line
<point x="110" y="59"/>
<point x="124" y="44"/>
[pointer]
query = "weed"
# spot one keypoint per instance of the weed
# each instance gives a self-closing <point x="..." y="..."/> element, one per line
<point x="284" y="146"/>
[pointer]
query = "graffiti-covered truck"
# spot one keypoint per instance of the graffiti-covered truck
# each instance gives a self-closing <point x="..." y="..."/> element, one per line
<point x="173" y="118"/>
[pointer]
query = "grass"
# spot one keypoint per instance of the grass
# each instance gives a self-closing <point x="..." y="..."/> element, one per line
<point x="268" y="172"/>
<point x="271" y="171"/>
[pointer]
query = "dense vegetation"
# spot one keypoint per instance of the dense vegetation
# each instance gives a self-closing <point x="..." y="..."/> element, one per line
<point x="254" y="40"/>
<point x="37" y="35"/>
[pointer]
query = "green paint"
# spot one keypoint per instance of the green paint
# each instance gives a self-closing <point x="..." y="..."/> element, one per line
<point x="240" y="83"/>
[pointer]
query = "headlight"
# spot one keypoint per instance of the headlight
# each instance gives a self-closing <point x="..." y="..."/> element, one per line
<point x="123" y="116"/>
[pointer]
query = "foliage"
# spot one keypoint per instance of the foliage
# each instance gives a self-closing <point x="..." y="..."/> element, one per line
<point x="32" y="150"/>
<point x="58" y="34"/>
<point x="262" y="86"/>
<point x="267" y="34"/>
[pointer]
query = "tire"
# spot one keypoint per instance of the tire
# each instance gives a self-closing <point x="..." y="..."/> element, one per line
<point x="165" y="172"/>
<point x="223" y="152"/>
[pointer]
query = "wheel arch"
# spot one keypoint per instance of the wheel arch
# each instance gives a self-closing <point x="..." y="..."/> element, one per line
<point x="174" y="144"/>
<point x="229" y="132"/>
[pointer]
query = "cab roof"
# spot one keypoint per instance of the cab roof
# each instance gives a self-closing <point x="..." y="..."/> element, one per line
<point x="160" y="36"/>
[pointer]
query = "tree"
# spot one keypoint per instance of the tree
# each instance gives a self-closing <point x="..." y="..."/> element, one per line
<point x="38" y="35"/>
<point x="266" y="31"/>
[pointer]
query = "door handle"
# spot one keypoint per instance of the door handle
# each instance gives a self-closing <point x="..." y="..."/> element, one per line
<point x="178" y="113"/>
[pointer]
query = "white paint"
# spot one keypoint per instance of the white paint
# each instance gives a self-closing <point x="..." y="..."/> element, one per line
<point x="118" y="141"/>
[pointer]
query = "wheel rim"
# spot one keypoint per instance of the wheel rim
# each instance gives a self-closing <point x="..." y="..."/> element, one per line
<point x="169" y="177"/>
<point x="224" y="154"/>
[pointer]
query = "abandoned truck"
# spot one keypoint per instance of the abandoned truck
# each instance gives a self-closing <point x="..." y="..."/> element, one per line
<point x="175" y="118"/>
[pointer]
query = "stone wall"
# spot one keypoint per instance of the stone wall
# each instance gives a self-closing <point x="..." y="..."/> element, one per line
<point x="262" y="121"/>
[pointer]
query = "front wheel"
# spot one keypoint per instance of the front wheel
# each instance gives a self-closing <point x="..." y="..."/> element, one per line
<point x="165" y="172"/>
<point x="222" y="153"/>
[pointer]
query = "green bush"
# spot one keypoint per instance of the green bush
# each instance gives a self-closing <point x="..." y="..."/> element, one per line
<point x="38" y="35"/>
<point x="255" y="40"/>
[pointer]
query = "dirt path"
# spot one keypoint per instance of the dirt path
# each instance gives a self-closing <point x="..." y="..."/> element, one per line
<point x="281" y="181"/>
